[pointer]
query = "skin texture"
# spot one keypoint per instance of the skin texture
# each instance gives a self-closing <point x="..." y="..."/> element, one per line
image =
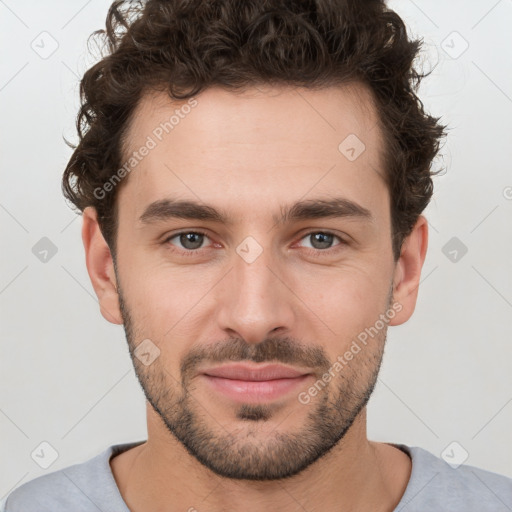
<point x="248" y="154"/>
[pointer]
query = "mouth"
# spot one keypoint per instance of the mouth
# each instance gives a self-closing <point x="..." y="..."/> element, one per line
<point x="245" y="383"/>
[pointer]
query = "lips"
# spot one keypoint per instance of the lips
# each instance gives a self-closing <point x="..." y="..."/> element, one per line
<point x="245" y="383"/>
<point x="248" y="373"/>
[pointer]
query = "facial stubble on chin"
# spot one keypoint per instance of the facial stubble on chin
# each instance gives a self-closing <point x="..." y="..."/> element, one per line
<point x="242" y="454"/>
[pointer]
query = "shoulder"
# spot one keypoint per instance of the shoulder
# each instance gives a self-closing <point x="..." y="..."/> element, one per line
<point x="436" y="485"/>
<point x="86" y="486"/>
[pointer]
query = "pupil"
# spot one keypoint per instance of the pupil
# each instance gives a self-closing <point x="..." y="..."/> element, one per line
<point x="188" y="238"/>
<point x="325" y="240"/>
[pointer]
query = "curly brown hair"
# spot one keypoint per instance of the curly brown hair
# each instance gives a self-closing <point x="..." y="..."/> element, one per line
<point x="186" y="46"/>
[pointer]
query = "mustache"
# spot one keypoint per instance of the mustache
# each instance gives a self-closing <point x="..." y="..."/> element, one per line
<point x="283" y="350"/>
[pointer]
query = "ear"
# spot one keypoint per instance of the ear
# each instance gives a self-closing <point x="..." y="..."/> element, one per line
<point x="407" y="274"/>
<point x="100" y="267"/>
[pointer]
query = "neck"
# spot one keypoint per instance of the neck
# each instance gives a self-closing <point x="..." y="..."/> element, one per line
<point x="356" y="474"/>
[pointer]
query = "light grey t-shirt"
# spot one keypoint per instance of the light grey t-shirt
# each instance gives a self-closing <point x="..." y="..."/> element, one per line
<point x="434" y="486"/>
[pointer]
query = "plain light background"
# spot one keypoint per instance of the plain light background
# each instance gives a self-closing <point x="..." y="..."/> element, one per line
<point x="66" y="375"/>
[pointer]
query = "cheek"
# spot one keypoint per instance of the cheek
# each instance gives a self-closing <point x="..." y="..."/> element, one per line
<point x="165" y="303"/>
<point x="347" y="300"/>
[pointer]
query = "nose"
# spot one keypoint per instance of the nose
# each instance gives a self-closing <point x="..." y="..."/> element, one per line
<point x="256" y="300"/>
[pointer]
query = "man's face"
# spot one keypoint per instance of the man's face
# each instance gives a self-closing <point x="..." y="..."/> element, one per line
<point x="253" y="288"/>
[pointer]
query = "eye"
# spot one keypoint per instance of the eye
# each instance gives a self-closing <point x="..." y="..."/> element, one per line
<point x="322" y="240"/>
<point x="190" y="241"/>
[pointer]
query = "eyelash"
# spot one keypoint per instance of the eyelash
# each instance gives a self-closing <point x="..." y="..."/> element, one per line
<point x="313" y="252"/>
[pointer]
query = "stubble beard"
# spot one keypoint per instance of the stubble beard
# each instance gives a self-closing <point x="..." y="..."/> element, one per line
<point x="245" y="452"/>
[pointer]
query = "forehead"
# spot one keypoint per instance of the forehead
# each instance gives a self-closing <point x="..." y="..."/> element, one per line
<point x="251" y="152"/>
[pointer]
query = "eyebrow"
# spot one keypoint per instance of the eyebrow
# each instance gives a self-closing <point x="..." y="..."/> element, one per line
<point x="165" y="209"/>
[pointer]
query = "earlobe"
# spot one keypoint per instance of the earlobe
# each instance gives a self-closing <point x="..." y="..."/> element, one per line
<point x="100" y="267"/>
<point x="407" y="274"/>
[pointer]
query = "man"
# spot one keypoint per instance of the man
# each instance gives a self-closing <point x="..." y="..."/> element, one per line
<point x="252" y="177"/>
